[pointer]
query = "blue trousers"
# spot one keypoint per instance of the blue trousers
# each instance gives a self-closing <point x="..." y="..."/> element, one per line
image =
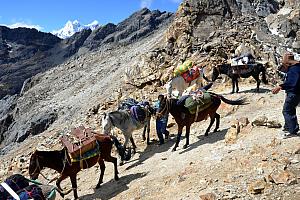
<point x="161" y="126"/>
<point x="289" y="113"/>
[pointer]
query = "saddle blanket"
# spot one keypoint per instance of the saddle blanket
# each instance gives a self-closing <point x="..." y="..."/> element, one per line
<point x="198" y="103"/>
<point x="191" y="74"/>
<point x="242" y="69"/>
<point x="138" y="113"/>
<point x="89" y="154"/>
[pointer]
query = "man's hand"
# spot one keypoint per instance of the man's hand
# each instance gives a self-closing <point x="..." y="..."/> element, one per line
<point x="276" y="89"/>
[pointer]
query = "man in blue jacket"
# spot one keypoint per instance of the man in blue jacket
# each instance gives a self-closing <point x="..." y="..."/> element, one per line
<point x="161" y="123"/>
<point x="291" y="86"/>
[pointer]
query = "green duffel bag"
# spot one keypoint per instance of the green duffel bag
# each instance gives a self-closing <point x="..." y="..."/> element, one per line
<point x="201" y="102"/>
<point x="183" y="67"/>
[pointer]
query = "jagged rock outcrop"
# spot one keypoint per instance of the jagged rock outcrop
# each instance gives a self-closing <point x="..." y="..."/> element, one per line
<point x="208" y="32"/>
<point x="136" y="26"/>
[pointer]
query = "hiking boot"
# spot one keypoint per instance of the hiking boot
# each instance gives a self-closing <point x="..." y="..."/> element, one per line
<point x="161" y="142"/>
<point x="285" y="135"/>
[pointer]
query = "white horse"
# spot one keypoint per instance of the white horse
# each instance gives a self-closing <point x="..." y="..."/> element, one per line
<point x="123" y="120"/>
<point x="178" y="83"/>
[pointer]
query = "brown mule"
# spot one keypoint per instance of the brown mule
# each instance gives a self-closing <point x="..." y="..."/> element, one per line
<point x="184" y="118"/>
<point x="61" y="162"/>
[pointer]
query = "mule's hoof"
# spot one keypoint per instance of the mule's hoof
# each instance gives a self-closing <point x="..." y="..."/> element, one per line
<point x="216" y="130"/>
<point x="97" y="186"/>
<point x="174" y="149"/>
<point x="185" y="146"/>
<point x="206" y="134"/>
<point x="121" y="163"/>
<point x="117" y="178"/>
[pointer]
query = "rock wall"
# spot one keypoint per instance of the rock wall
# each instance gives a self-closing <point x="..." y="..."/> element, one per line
<point x="209" y="31"/>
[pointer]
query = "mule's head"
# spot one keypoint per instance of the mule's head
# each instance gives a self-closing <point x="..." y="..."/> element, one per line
<point x="34" y="166"/>
<point x="106" y="124"/>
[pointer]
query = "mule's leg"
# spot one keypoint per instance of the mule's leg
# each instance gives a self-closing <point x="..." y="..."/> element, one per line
<point x="114" y="161"/>
<point x="178" y="137"/>
<point x="187" y="135"/>
<point x="233" y="85"/>
<point x="148" y="132"/>
<point x="133" y="144"/>
<point x="212" y="120"/>
<point x="169" y="88"/>
<point x="237" y="84"/>
<point x="74" y="186"/>
<point x="59" y="180"/>
<point x="217" y="116"/>
<point x="102" y="168"/>
<point x="127" y="135"/>
<point x="257" y="82"/>
<point x="144" y="133"/>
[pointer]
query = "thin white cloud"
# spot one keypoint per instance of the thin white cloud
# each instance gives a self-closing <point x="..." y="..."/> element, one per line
<point x="146" y="3"/>
<point x="23" y="24"/>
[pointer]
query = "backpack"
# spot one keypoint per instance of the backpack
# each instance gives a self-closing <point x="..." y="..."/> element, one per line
<point x="127" y="104"/>
<point x="30" y="192"/>
<point x="16" y="182"/>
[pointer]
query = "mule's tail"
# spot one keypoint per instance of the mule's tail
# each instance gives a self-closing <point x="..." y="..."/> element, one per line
<point x="264" y="77"/>
<point x="240" y="101"/>
<point x="121" y="150"/>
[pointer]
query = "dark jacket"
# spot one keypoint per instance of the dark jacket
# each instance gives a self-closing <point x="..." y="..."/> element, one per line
<point x="292" y="81"/>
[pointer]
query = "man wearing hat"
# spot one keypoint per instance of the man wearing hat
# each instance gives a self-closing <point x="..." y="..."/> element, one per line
<point x="291" y="86"/>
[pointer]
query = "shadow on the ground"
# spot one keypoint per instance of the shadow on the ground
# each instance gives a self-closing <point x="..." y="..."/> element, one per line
<point x="211" y="138"/>
<point x="150" y="150"/>
<point x="112" y="188"/>
<point x="253" y="90"/>
<point x="261" y="90"/>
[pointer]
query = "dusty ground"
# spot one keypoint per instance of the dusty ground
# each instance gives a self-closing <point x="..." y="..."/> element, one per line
<point x="209" y="166"/>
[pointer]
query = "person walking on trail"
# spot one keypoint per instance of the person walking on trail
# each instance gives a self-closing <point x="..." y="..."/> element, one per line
<point x="161" y="124"/>
<point x="291" y="85"/>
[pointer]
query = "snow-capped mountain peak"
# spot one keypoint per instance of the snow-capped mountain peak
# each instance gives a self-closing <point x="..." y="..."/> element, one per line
<point x="72" y="27"/>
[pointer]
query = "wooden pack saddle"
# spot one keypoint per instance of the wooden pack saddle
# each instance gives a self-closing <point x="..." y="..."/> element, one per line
<point x="79" y="141"/>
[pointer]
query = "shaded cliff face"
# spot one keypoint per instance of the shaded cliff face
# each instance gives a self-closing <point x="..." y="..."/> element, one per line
<point x="20" y="50"/>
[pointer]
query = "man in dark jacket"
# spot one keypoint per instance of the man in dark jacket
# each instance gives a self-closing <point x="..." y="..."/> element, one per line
<point x="291" y="86"/>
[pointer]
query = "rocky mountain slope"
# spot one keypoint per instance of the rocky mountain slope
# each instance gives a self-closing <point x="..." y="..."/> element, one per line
<point x="251" y="165"/>
<point x="112" y="43"/>
<point x="27" y="52"/>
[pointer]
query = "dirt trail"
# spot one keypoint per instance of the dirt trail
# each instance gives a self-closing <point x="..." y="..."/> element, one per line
<point x="208" y="165"/>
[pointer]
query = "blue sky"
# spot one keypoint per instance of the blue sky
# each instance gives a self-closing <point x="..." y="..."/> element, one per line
<point x="49" y="15"/>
